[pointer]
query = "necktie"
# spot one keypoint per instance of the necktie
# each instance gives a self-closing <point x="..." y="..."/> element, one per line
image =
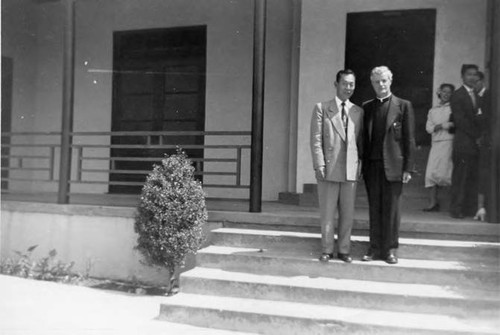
<point x="473" y="98"/>
<point x="344" y="116"/>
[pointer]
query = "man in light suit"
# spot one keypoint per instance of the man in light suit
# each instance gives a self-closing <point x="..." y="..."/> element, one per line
<point x="336" y="147"/>
<point x="388" y="160"/>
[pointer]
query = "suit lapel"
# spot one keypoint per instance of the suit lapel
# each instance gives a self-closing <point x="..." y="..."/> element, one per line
<point x="467" y="99"/>
<point x="369" y="114"/>
<point x="351" y="131"/>
<point x="335" y="118"/>
<point x="393" y="112"/>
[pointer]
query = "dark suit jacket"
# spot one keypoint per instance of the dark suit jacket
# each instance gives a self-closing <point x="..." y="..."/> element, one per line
<point x="484" y="120"/>
<point x="466" y="126"/>
<point x="399" y="139"/>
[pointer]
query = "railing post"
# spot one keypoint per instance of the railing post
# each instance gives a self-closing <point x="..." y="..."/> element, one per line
<point x="493" y="193"/>
<point x="79" y="163"/>
<point x="52" y="155"/>
<point x="238" y="167"/>
<point x="67" y="102"/>
<point x="259" y="40"/>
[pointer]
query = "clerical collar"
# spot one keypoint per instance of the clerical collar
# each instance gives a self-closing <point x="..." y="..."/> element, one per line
<point x="384" y="99"/>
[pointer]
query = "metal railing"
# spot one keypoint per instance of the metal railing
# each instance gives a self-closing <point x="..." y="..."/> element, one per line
<point x="37" y="155"/>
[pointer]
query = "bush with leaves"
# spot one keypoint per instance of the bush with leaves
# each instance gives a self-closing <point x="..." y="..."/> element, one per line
<point x="46" y="268"/>
<point x="171" y="214"/>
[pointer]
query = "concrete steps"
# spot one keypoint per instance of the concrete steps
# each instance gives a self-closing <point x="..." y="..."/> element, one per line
<point x="279" y="317"/>
<point x="414" y="298"/>
<point x="271" y="282"/>
<point x="482" y="252"/>
<point x="293" y="263"/>
<point x="437" y="226"/>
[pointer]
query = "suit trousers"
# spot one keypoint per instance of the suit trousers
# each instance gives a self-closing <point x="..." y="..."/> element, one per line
<point x="464" y="184"/>
<point x="333" y="196"/>
<point x="384" y="208"/>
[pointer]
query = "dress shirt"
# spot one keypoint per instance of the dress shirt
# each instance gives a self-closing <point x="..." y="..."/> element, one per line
<point x="472" y="95"/>
<point x="481" y="93"/>
<point x="348" y="105"/>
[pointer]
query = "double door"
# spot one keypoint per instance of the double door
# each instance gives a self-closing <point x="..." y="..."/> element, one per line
<point x="158" y="85"/>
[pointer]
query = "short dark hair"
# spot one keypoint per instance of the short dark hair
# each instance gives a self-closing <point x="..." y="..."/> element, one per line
<point x="466" y="67"/>
<point x="480" y="75"/>
<point x="344" y="73"/>
<point x="450" y="86"/>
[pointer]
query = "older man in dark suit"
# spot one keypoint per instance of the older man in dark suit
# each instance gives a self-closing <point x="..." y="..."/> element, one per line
<point x="464" y="105"/>
<point x="388" y="159"/>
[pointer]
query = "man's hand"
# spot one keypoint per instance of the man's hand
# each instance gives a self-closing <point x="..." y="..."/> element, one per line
<point x="320" y="173"/>
<point x="438" y="127"/>
<point x="406" y="177"/>
<point x="481" y="214"/>
<point x="447" y="125"/>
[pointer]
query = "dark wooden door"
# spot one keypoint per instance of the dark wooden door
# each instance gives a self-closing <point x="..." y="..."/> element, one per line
<point x="158" y="85"/>
<point x="402" y="40"/>
<point x="7" y="70"/>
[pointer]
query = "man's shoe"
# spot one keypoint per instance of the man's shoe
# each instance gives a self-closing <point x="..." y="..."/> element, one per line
<point x="391" y="259"/>
<point x="345" y="257"/>
<point x="371" y="255"/>
<point x="325" y="257"/>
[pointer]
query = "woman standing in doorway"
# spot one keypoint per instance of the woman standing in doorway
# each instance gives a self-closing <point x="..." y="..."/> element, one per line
<point x="439" y="165"/>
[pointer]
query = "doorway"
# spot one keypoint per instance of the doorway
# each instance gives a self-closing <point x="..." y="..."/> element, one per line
<point x="158" y="85"/>
<point x="404" y="41"/>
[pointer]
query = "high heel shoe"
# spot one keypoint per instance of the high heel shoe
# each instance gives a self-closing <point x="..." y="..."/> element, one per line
<point x="434" y="208"/>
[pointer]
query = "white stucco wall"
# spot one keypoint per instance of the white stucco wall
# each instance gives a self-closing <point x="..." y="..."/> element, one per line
<point x="18" y="43"/>
<point x="460" y="38"/>
<point x="229" y="71"/>
<point x="100" y="240"/>
<point x="19" y="24"/>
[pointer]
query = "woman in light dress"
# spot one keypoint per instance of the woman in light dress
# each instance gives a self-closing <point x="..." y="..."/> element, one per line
<point x="439" y="165"/>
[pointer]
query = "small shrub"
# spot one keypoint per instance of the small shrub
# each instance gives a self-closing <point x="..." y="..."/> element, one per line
<point x="171" y="214"/>
<point x="46" y="268"/>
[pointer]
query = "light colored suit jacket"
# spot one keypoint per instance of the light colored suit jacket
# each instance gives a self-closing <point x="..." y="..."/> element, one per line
<point x="331" y="147"/>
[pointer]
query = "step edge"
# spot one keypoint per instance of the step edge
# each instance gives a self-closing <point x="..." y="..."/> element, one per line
<point x="325" y="312"/>
<point x="472" y="295"/>
<point x="315" y="236"/>
<point x="250" y="252"/>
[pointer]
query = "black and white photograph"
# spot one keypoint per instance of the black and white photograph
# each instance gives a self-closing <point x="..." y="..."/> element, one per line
<point x="233" y="167"/>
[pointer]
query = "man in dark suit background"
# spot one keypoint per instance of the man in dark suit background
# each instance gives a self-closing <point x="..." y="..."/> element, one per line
<point x="483" y="118"/>
<point x="388" y="159"/>
<point x="464" y="105"/>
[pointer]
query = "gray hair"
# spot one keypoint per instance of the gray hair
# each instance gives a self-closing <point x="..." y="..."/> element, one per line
<point x="381" y="70"/>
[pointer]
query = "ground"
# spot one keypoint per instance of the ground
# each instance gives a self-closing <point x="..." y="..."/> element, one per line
<point x="31" y="307"/>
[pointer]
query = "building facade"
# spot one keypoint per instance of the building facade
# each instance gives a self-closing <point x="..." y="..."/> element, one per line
<point x="307" y="42"/>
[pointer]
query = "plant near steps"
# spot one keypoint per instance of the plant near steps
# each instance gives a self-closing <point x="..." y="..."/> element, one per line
<point x="170" y="214"/>
<point x="46" y="268"/>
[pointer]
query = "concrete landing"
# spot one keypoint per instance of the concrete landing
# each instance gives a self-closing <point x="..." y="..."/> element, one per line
<point x="31" y="307"/>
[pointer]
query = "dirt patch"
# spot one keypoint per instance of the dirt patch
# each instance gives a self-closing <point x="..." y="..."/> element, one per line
<point x="127" y="287"/>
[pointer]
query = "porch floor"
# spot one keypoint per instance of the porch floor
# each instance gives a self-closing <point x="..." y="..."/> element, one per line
<point x="411" y="207"/>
